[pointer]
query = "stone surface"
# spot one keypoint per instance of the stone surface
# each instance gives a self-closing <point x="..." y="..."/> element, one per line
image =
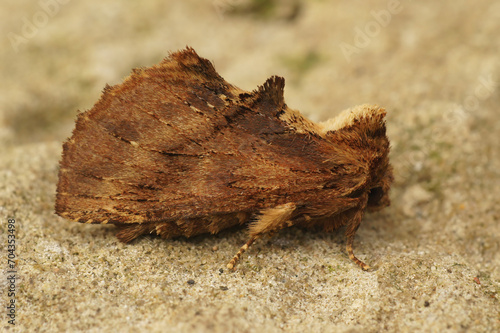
<point x="436" y="250"/>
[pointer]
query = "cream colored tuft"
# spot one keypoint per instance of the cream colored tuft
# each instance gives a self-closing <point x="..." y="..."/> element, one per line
<point x="347" y="117"/>
<point x="272" y="219"/>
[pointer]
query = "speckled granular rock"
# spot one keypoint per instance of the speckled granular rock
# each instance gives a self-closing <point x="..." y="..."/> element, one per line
<point x="436" y="250"/>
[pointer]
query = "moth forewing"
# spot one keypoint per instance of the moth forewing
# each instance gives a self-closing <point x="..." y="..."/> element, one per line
<point x="175" y="150"/>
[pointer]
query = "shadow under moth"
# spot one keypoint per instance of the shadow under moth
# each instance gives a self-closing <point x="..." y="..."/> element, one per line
<point x="178" y="151"/>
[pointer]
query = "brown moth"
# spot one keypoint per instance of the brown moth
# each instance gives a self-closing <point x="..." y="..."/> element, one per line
<point x="178" y="151"/>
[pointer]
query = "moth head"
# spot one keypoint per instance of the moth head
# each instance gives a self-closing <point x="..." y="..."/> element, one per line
<point x="378" y="194"/>
<point x="360" y="135"/>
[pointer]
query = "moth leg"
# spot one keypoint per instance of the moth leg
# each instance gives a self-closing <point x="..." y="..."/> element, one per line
<point x="242" y="250"/>
<point x="269" y="220"/>
<point x="350" y="232"/>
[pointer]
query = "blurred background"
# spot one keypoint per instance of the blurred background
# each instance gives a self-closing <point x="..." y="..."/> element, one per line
<point x="434" y="65"/>
<point x="57" y="55"/>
